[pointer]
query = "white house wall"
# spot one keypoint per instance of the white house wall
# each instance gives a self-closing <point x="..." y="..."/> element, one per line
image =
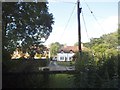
<point x="70" y="55"/>
<point x="67" y="55"/>
<point x="60" y="55"/>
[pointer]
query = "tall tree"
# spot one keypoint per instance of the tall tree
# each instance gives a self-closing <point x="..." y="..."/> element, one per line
<point x="54" y="48"/>
<point x="25" y="24"/>
<point x="105" y="45"/>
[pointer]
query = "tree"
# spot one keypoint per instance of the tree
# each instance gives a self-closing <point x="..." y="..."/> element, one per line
<point x="25" y="24"/>
<point x="100" y="69"/>
<point x="54" y="48"/>
<point x="119" y="34"/>
<point x="111" y="40"/>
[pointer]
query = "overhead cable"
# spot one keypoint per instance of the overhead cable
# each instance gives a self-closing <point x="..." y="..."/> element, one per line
<point x="85" y="26"/>
<point x="68" y="20"/>
<point x="94" y="17"/>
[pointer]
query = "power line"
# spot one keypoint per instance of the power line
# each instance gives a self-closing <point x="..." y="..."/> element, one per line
<point x="92" y="51"/>
<point x="94" y="17"/>
<point x="87" y="34"/>
<point x="85" y="26"/>
<point x="68" y="21"/>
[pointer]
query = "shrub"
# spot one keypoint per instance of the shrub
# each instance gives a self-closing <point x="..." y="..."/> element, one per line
<point x="100" y="75"/>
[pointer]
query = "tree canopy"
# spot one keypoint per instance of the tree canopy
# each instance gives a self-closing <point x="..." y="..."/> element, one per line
<point x="99" y="65"/>
<point x="106" y="44"/>
<point x="54" y="48"/>
<point x="25" y="24"/>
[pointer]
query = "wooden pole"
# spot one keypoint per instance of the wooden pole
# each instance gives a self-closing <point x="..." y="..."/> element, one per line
<point x="79" y="27"/>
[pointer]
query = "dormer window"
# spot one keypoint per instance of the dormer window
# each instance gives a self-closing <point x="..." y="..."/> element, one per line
<point x="71" y="51"/>
<point x="62" y="51"/>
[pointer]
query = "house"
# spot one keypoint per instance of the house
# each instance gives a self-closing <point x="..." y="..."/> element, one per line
<point x="66" y="53"/>
<point x="17" y="54"/>
<point x="37" y="53"/>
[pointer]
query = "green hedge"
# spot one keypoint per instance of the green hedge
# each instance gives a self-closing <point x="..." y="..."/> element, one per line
<point x="103" y="74"/>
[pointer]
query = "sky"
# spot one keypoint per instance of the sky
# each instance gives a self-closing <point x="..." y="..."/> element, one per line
<point x="104" y="20"/>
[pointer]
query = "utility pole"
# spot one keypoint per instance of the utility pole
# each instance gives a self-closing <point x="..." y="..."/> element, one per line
<point x="79" y="27"/>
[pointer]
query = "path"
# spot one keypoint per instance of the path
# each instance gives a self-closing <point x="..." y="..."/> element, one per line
<point x="53" y="66"/>
<point x="34" y="68"/>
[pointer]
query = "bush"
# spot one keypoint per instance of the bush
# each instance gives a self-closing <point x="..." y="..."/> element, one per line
<point x="100" y="75"/>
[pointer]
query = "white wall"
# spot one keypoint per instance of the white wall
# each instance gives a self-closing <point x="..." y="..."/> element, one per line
<point x="67" y="55"/>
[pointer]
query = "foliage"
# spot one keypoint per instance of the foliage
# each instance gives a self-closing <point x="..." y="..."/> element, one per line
<point x="119" y="35"/>
<point x="110" y="40"/>
<point x="23" y="81"/>
<point x="99" y="66"/>
<point x="103" y="74"/>
<point x="25" y="24"/>
<point x="38" y="81"/>
<point x="54" y="48"/>
<point x="86" y="68"/>
<point x="106" y="45"/>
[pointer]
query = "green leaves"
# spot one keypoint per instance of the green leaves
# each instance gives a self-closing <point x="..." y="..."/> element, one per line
<point x="54" y="48"/>
<point x="101" y="67"/>
<point x="32" y="23"/>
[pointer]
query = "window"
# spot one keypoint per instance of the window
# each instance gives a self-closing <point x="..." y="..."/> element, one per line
<point x="65" y="58"/>
<point x="70" y="58"/>
<point x="71" y="51"/>
<point x="61" y="58"/>
<point x="62" y="51"/>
